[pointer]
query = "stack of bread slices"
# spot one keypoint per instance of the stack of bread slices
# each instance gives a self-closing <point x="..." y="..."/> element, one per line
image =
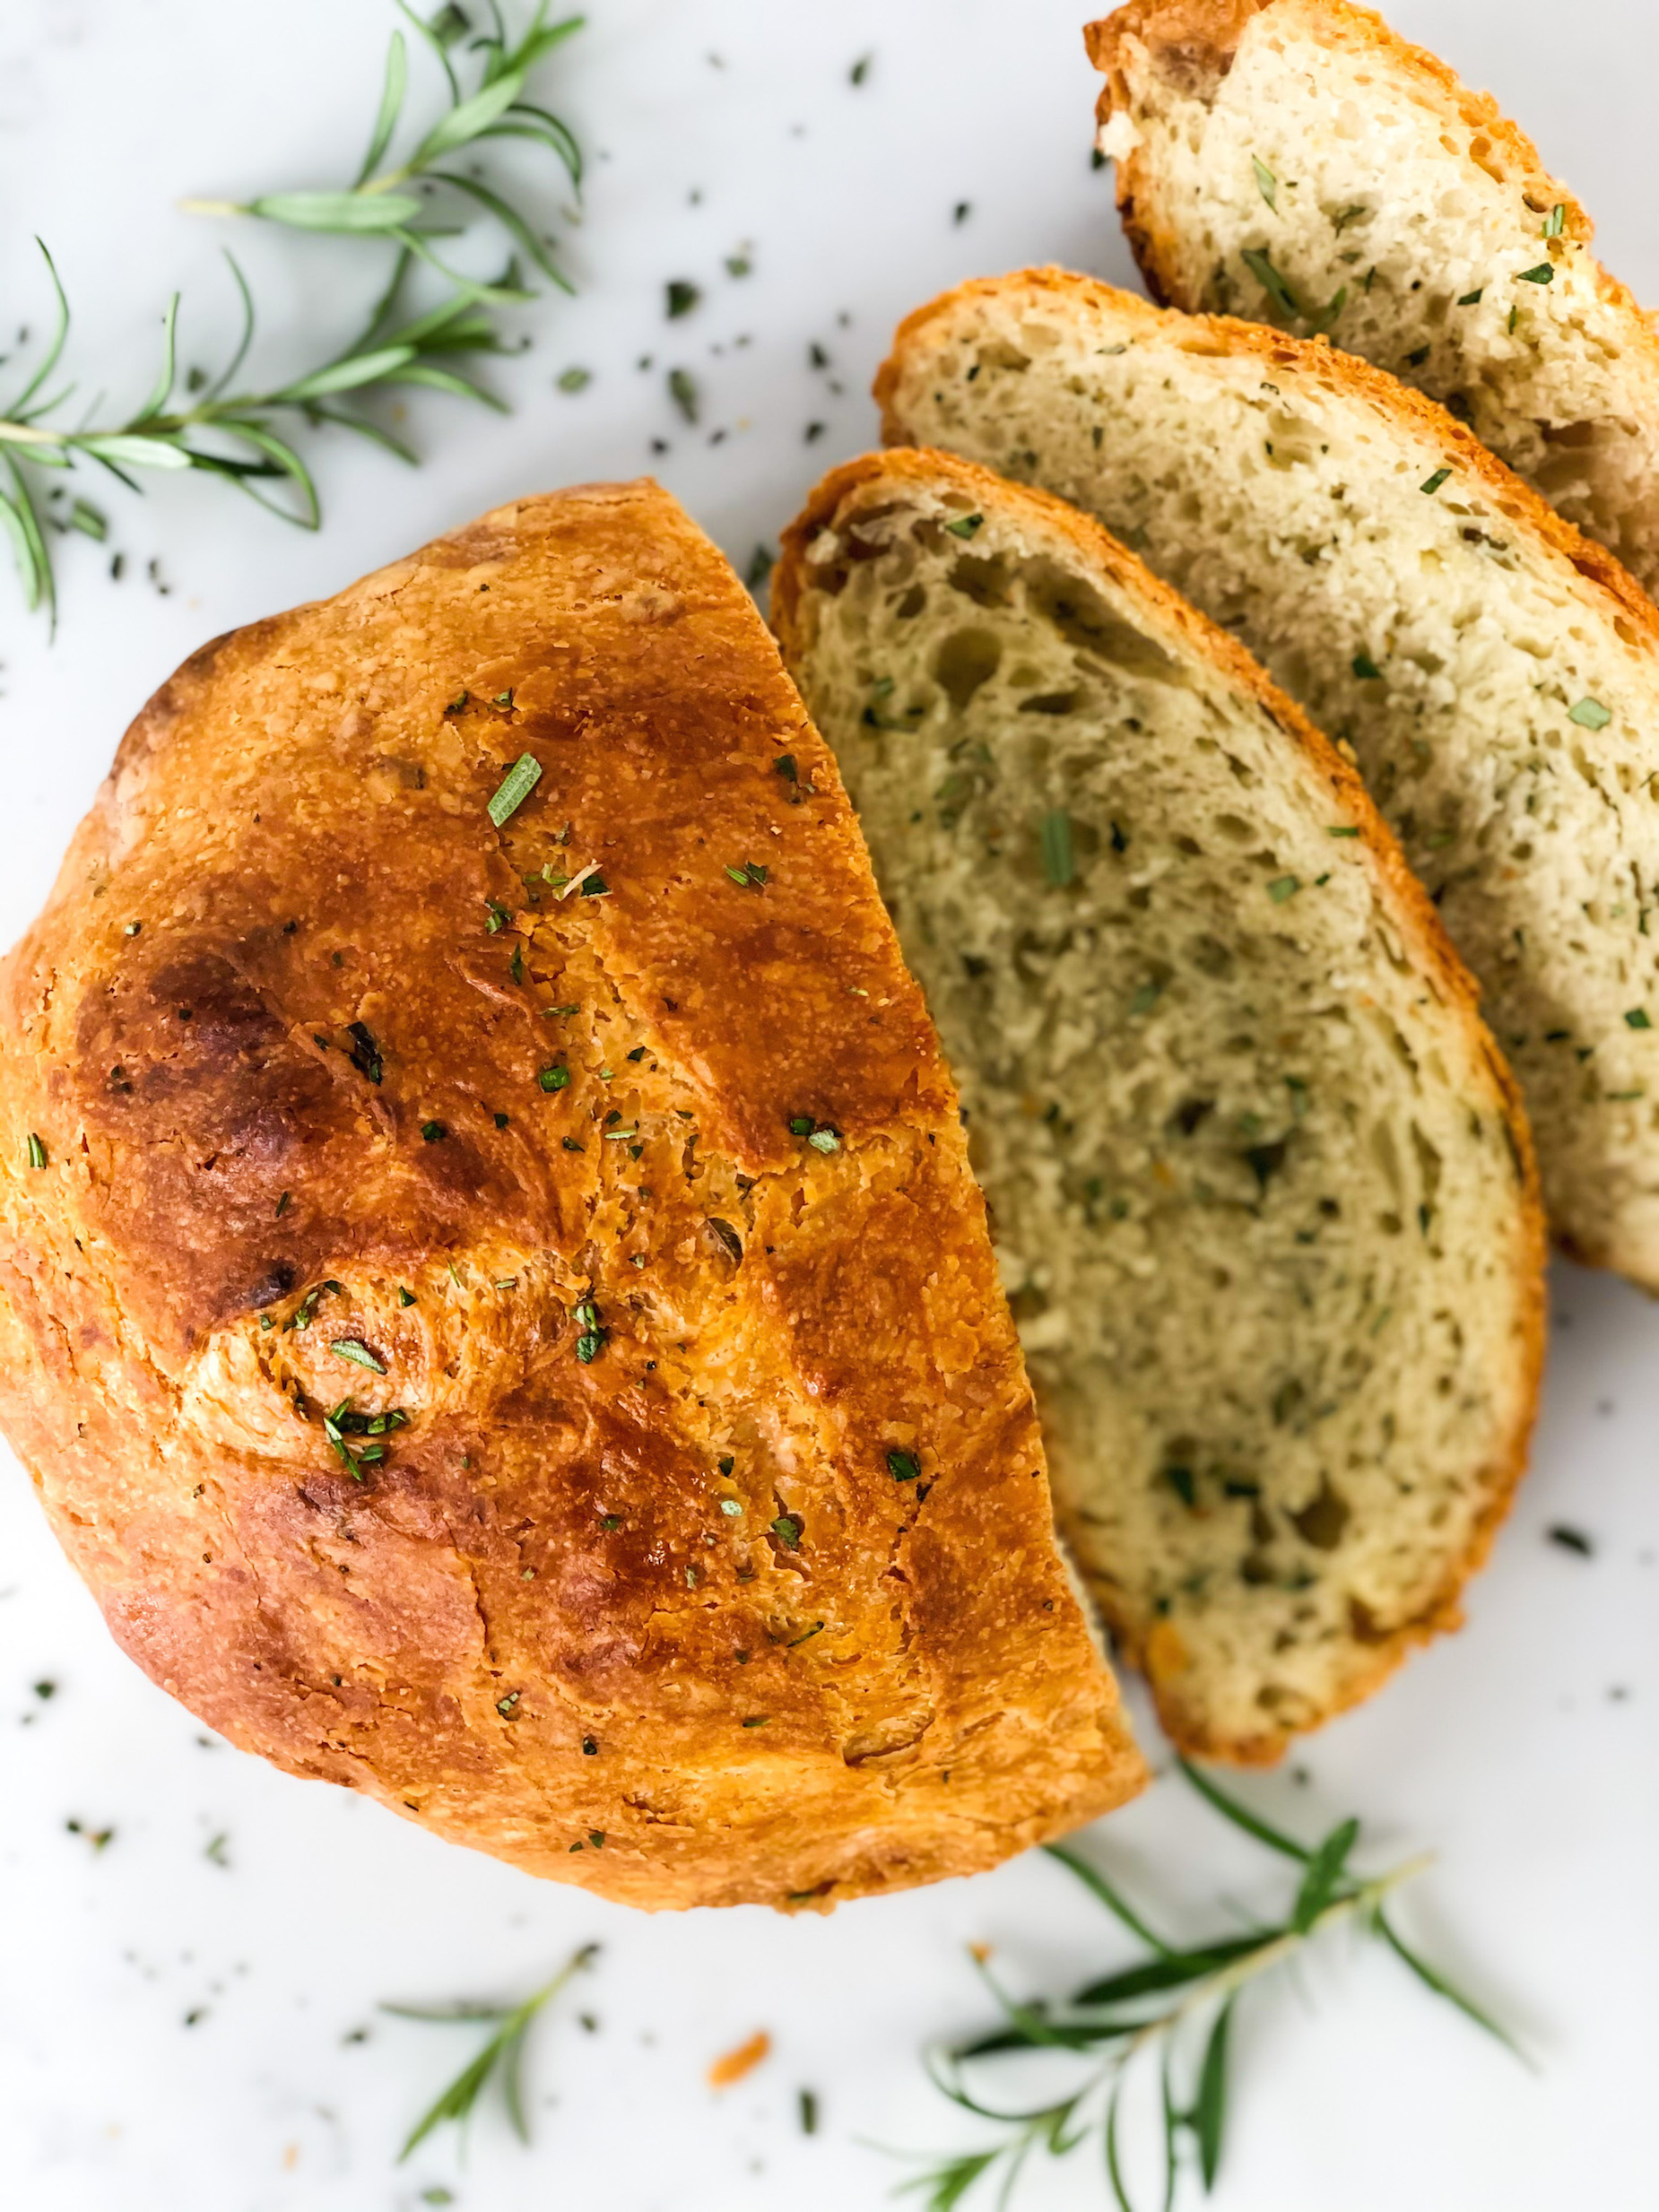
<point x="1260" y="1186"/>
<point x="529" y="1289"/>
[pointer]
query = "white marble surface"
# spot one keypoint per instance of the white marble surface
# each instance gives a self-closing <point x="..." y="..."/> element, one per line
<point x="175" y="2033"/>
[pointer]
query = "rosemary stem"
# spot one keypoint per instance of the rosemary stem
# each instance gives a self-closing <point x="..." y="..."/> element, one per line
<point x="1230" y="1978"/>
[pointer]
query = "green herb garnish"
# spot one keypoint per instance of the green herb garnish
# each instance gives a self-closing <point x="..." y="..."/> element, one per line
<point x="520" y="780"/>
<point x="1059" y="867"/>
<point x="1263" y="270"/>
<point x="1282" y="888"/>
<point x="1266" y="183"/>
<point x="502" y="2057"/>
<point x="1472" y="299"/>
<point x="554" y="1076"/>
<point x="1365" y="668"/>
<point x="1544" y="274"/>
<point x="366" y="1055"/>
<point x="37" y="1151"/>
<point x="788" y="1529"/>
<point x="903" y="1466"/>
<point x="683" y="392"/>
<point x="1180" y="2001"/>
<point x="1589" y="715"/>
<point x="1554" y="220"/>
<point x="234" y="433"/>
<point x="1636" y="1019"/>
<point x="680" y="296"/>
<point x="353" y="1348"/>
<point x="1435" y="482"/>
<point x="963" y="526"/>
<point x="434" y="1132"/>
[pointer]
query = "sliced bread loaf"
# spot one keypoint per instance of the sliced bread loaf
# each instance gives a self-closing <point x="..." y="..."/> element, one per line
<point x="1262" y="1194"/>
<point x="1296" y="162"/>
<point x="1498" y="676"/>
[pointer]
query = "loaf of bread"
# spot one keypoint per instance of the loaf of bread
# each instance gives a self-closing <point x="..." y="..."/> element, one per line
<point x="492" y="1291"/>
<point x="1263" y="1198"/>
<point x="1295" y="161"/>
<point x="1496" y="676"/>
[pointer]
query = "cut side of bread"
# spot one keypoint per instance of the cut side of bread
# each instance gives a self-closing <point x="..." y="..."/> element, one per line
<point x="1296" y="162"/>
<point x="1262" y="1194"/>
<point x="1496" y="676"/>
<point x="493" y="1293"/>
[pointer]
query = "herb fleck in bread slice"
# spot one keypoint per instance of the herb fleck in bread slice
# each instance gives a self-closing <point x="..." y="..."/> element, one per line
<point x="1296" y="162"/>
<point x="1262" y="1195"/>
<point x="1497" y="675"/>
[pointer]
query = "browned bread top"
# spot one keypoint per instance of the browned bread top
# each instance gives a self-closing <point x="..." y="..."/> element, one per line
<point x="499" y="1311"/>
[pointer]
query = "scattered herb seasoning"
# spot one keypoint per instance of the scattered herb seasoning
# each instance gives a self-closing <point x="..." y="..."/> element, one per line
<point x="683" y="392"/>
<point x="554" y="1076"/>
<point x="574" y="379"/>
<point x="516" y="786"/>
<point x="1365" y="668"/>
<point x="1472" y="299"/>
<point x="680" y="297"/>
<point x="1180" y="1481"/>
<point x="1417" y="356"/>
<point x="1058" y="865"/>
<point x="507" y="1707"/>
<point x="366" y="1055"/>
<point x="749" y="876"/>
<point x="1589" y="715"/>
<point x="1435" y="481"/>
<point x="860" y="69"/>
<point x="1544" y="274"/>
<point x="1571" y="1539"/>
<point x="37" y="1151"/>
<point x="788" y="1529"/>
<point x="808" y="2103"/>
<point x="591" y="1341"/>
<point x="405" y="1297"/>
<point x="498" y="918"/>
<point x="434" y="1132"/>
<point x="301" y="1317"/>
<point x="1554" y="220"/>
<point x="761" y="563"/>
<point x="353" y="1348"/>
<point x="1342" y="830"/>
<point x="1263" y="270"/>
<point x="1145" y="998"/>
<point x="1266" y="183"/>
<point x="756" y="1720"/>
<point x="1282" y="888"/>
<point x="963" y="526"/>
<point x="903" y="1466"/>
<point x="1636" y="1019"/>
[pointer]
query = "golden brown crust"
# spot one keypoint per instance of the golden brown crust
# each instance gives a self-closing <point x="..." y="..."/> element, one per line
<point x="877" y="476"/>
<point x="532" y="1624"/>
<point x="1197" y="41"/>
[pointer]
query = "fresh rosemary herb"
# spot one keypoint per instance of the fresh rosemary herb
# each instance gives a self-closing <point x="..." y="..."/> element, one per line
<point x="434" y="1132"/>
<point x="1435" y="482"/>
<point x="1266" y="183"/>
<point x="903" y="1466"/>
<point x="964" y="526"/>
<point x="680" y="296"/>
<point x="1544" y="274"/>
<point x="1636" y="1019"/>
<point x="1181" y="2001"/>
<point x="37" y="1151"/>
<point x="554" y="1076"/>
<point x="1365" y="668"/>
<point x="1589" y="715"/>
<point x="1554" y="220"/>
<point x="377" y="201"/>
<point x="353" y="1348"/>
<point x="232" y="433"/>
<point x="501" y="2057"/>
<point x="1472" y="299"/>
<point x="516" y="786"/>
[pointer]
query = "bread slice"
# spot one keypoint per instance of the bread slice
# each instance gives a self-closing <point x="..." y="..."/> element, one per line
<point x="1496" y="676"/>
<point x="576" y="1123"/>
<point x="1295" y="161"/>
<point x="1262" y="1194"/>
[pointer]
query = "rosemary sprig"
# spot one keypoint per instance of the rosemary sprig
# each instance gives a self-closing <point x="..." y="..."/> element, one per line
<point x="242" y="434"/>
<point x="501" y="2057"/>
<point x="378" y="202"/>
<point x="1178" y="2002"/>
